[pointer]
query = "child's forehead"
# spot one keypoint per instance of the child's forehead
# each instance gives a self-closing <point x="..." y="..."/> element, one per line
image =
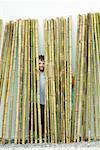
<point x="41" y="60"/>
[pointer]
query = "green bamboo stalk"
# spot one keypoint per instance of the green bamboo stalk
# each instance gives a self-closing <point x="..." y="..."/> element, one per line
<point x="89" y="73"/>
<point x="94" y="77"/>
<point x="98" y="72"/>
<point x="81" y="81"/>
<point x="11" y="79"/>
<point x="58" y="76"/>
<point x="46" y="115"/>
<point x="22" y="83"/>
<point x="28" y="78"/>
<point x="34" y="80"/>
<point x="17" y="130"/>
<point x="61" y="70"/>
<point x="77" y="74"/>
<point x="6" y="85"/>
<point x="50" y="86"/>
<point x="62" y="83"/>
<point x="24" y="87"/>
<point x="1" y="29"/>
<point x="54" y="96"/>
<point x="84" y="83"/>
<point x="49" y="73"/>
<point x="69" y="75"/>
<point x="38" y="87"/>
<point x="3" y="57"/>
<point x="65" y="73"/>
<point x="31" y="43"/>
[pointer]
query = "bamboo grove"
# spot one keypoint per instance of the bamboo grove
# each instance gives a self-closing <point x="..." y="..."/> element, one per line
<point x="67" y="118"/>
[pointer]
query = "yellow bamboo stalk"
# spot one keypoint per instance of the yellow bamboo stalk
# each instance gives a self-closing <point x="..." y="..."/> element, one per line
<point x="18" y="92"/>
<point x="98" y="71"/>
<point x="6" y="85"/>
<point x="77" y="74"/>
<point x="93" y="77"/>
<point x="54" y="96"/>
<point x="28" y="78"/>
<point x="38" y="87"/>
<point x="24" y="87"/>
<point x="46" y="115"/>
<point x="58" y="77"/>
<point x="81" y="81"/>
<point x="3" y="57"/>
<point x="34" y="80"/>
<point x="65" y="73"/>
<point x="50" y="87"/>
<point x="1" y="29"/>
<point x="11" y="77"/>
<point x="31" y="30"/>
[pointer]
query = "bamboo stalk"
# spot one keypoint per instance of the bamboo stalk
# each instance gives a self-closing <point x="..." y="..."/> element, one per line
<point x="58" y="76"/>
<point x="31" y="32"/>
<point x="98" y="72"/>
<point x="28" y="78"/>
<point x="94" y="77"/>
<point x="77" y="75"/>
<point x="54" y="96"/>
<point x="1" y="29"/>
<point x="17" y="130"/>
<point x="34" y="80"/>
<point x="38" y="87"/>
<point x="3" y="57"/>
<point x="11" y="73"/>
<point x="89" y="72"/>
<point x="24" y="87"/>
<point x="81" y="80"/>
<point x="6" y="86"/>
<point x="46" y="114"/>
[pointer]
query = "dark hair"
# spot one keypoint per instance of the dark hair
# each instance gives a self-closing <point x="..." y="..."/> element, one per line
<point x="41" y="57"/>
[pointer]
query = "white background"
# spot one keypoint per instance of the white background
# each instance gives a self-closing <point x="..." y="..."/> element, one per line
<point x="41" y="9"/>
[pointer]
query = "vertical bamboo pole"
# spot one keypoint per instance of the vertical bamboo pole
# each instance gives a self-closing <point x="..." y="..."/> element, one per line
<point x="34" y="86"/>
<point x="38" y="87"/>
<point x="6" y="85"/>
<point x="61" y="77"/>
<point x="11" y="77"/>
<point x="3" y="57"/>
<point x="94" y="77"/>
<point x="1" y="29"/>
<point x="31" y="44"/>
<point x="22" y="75"/>
<point x="20" y="98"/>
<point x="77" y="74"/>
<point x="54" y="96"/>
<point x="46" y="82"/>
<point x="61" y="69"/>
<point x="18" y="92"/>
<point x="65" y="73"/>
<point x="84" y="82"/>
<point x="24" y="86"/>
<point x="88" y="81"/>
<point x="81" y="81"/>
<point x="28" y="78"/>
<point x="69" y="75"/>
<point x="98" y="71"/>
<point x="58" y="77"/>
<point x="52" y="108"/>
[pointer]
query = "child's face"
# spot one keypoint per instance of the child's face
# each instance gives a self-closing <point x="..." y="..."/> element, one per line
<point x="41" y="65"/>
